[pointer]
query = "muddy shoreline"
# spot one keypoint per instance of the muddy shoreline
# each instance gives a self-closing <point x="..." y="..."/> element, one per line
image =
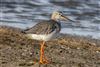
<point x="66" y="51"/>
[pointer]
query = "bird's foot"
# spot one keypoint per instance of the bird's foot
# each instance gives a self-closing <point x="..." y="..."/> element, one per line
<point x="44" y="61"/>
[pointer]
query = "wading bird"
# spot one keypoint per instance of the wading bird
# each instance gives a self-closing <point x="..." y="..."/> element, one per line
<point x="45" y="31"/>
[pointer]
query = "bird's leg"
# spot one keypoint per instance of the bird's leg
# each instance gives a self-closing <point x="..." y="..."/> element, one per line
<point x="43" y="60"/>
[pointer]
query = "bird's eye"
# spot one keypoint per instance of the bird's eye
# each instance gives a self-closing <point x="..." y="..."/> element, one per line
<point x="60" y="14"/>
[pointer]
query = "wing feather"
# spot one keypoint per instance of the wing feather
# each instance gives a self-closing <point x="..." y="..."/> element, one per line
<point x="44" y="27"/>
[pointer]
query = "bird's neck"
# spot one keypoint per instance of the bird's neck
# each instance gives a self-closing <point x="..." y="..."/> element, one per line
<point x="56" y="20"/>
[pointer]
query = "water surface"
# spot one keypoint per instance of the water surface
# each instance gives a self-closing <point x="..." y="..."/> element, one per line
<point x="26" y="13"/>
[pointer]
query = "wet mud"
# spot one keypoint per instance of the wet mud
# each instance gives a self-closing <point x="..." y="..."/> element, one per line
<point x="65" y="51"/>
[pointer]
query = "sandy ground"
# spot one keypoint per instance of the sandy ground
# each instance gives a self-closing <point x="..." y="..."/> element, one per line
<point x="65" y="51"/>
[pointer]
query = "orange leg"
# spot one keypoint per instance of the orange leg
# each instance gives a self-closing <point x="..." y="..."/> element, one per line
<point x="43" y="60"/>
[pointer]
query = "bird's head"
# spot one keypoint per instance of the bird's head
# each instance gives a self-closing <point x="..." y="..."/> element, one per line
<point x="59" y="16"/>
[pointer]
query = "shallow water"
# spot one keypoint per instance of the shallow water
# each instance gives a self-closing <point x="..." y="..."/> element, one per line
<point x="26" y="13"/>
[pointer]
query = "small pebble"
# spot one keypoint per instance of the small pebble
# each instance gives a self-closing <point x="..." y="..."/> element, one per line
<point x="78" y="48"/>
<point x="31" y="53"/>
<point x="68" y="47"/>
<point x="97" y="52"/>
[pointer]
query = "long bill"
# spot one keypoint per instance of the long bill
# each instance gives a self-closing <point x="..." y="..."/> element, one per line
<point x="66" y="18"/>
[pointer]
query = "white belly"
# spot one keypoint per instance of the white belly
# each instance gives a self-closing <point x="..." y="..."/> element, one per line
<point x="44" y="37"/>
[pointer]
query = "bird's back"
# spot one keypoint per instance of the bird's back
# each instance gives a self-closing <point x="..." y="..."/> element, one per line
<point x="44" y="27"/>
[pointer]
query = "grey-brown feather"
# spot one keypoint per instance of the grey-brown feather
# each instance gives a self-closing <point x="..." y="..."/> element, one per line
<point x="44" y="27"/>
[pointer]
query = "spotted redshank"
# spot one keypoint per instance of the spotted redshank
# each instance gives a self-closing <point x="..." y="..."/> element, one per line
<point x="45" y="31"/>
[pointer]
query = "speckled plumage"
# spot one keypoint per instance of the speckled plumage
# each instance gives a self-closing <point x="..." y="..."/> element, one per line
<point x="46" y="30"/>
<point x="44" y="27"/>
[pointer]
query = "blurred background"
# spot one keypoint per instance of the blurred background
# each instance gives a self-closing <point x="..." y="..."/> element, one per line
<point x="26" y="13"/>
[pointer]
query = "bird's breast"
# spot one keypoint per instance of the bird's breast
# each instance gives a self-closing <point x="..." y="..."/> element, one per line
<point x="44" y="37"/>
